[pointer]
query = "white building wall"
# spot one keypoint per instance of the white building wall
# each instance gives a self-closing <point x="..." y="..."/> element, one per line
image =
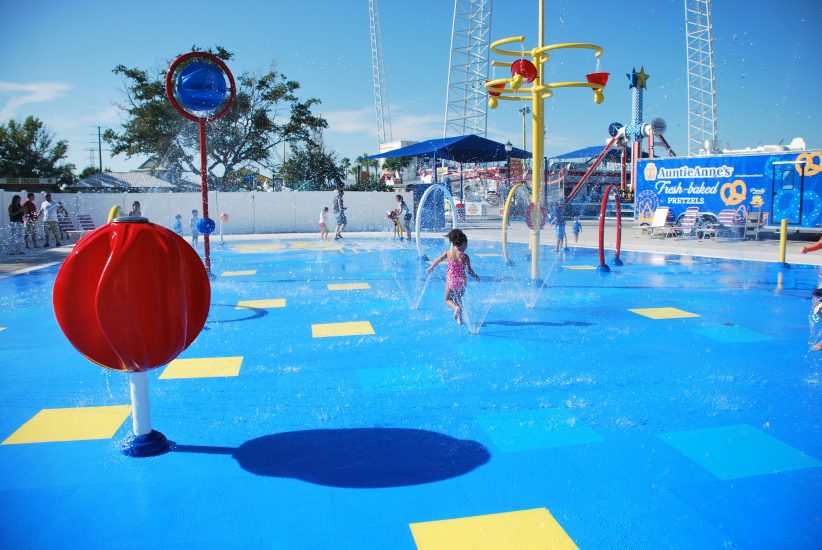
<point x="249" y="212"/>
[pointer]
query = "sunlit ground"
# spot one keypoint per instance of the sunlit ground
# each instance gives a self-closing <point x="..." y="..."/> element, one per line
<point x="670" y="403"/>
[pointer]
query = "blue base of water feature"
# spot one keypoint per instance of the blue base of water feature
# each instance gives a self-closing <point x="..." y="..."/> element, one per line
<point x="617" y="262"/>
<point x="151" y="444"/>
<point x="669" y="404"/>
<point x="603" y="269"/>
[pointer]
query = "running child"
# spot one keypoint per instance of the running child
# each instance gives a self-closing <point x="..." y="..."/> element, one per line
<point x="458" y="264"/>
<point x="324" y="224"/>
<point x="559" y="223"/>
<point x="577" y="228"/>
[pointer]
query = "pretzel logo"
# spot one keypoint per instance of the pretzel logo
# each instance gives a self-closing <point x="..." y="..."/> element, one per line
<point x="813" y="163"/>
<point x="733" y="192"/>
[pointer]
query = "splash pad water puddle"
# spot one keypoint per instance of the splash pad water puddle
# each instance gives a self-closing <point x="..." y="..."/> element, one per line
<point x="398" y="416"/>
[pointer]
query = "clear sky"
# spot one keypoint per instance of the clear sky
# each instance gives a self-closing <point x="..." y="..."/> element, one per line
<point x="57" y="58"/>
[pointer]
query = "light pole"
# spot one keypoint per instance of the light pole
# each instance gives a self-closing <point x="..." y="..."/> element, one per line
<point x="508" y="148"/>
<point x="524" y="111"/>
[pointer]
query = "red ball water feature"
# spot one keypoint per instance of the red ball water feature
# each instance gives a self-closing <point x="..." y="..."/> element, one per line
<point x="131" y="296"/>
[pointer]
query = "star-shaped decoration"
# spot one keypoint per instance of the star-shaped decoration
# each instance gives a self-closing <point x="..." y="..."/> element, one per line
<point x="641" y="78"/>
<point x="637" y="79"/>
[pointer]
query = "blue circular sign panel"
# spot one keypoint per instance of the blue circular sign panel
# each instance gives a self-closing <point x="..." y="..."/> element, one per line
<point x="201" y="86"/>
<point x="206" y="226"/>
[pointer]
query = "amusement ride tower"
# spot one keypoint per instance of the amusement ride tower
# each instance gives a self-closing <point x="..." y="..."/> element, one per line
<point x="378" y="74"/>
<point x="702" y="133"/>
<point x="465" y="100"/>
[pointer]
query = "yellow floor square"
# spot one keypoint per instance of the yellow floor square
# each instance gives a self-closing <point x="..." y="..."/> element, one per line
<point x="262" y="304"/>
<point x="239" y="273"/>
<point x="523" y="530"/>
<point x="207" y="367"/>
<point x="352" y="328"/>
<point x="2" y="329"/>
<point x="349" y="286"/>
<point x="75" y="424"/>
<point x="686" y="261"/>
<point x="493" y="255"/>
<point x="663" y="313"/>
<point x="578" y="267"/>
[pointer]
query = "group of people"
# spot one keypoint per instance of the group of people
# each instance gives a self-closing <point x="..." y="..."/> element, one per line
<point x="24" y="222"/>
<point x="401" y="216"/>
<point x="192" y="226"/>
<point x="339" y="213"/>
<point x="557" y="218"/>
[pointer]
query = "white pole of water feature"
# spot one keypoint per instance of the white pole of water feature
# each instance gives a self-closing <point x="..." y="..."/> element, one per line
<point x="140" y="410"/>
<point x="417" y="225"/>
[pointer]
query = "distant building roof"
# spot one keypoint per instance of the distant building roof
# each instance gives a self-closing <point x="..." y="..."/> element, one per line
<point x="122" y="181"/>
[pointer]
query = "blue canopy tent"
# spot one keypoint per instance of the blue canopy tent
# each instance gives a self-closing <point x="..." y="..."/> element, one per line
<point x="461" y="149"/>
<point x="592" y="152"/>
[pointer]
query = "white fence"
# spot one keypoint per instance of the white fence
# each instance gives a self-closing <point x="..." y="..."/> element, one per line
<point x="249" y="212"/>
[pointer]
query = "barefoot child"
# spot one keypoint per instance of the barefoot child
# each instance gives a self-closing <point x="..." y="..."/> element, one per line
<point x="577" y="228"/>
<point x="324" y="224"/>
<point x="458" y="264"/>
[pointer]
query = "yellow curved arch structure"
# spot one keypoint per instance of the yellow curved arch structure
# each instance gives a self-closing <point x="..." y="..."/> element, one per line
<point x="505" y="211"/>
<point x="115" y="212"/>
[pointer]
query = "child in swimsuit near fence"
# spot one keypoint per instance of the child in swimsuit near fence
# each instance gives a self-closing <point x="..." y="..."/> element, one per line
<point x="458" y="264"/>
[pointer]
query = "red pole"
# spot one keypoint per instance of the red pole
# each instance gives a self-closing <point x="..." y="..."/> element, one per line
<point x="593" y="166"/>
<point x="204" y="182"/>
<point x="617" y="261"/>
<point x="623" y="179"/>
<point x="602" y="227"/>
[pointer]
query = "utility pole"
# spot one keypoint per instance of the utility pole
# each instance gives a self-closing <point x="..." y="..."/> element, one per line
<point x="524" y="111"/>
<point x="100" y="148"/>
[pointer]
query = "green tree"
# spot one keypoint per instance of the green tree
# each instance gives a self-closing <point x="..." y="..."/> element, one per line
<point x="311" y="168"/>
<point x="266" y="112"/>
<point x="88" y="171"/>
<point x="28" y="150"/>
<point x="396" y="164"/>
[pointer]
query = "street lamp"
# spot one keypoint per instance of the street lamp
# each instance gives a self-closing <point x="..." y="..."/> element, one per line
<point x="524" y="111"/>
<point x="508" y="149"/>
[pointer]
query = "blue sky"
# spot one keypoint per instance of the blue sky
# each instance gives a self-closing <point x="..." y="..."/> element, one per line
<point x="57" y="60"/>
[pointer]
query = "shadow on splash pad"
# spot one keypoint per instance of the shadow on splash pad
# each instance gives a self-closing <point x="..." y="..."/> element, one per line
<point x="356" y="458"/>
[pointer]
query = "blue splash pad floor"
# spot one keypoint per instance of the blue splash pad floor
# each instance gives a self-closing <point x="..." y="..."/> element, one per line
<point x="695" y="430"/>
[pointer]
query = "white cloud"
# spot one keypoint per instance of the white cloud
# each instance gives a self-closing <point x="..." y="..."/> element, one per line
<point x="34" y="92"/>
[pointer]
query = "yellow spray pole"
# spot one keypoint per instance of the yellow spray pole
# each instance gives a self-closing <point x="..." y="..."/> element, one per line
<point x="537" y="135"/>
<point x="511" y="89"/>
<point x="783" y="241"/>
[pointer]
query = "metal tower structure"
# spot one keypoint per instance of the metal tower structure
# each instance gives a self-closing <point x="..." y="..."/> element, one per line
<point x="466" y="101"/>
<point x="378" y="74"/>
<point x="702" y="132"/>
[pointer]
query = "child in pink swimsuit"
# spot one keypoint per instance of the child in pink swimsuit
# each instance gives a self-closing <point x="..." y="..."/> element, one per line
<point x="458" y="264"/>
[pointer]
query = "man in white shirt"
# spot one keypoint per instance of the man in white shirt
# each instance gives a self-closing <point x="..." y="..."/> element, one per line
<point x="48" y="211"/>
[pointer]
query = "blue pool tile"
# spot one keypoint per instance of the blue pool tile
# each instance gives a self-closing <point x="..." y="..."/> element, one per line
<point x="732" y="452"/>
<point x="750" y="509"/>
<point x="732" y="334"/>
<point x="390" y="379"/>
<point x="540" y="429"/>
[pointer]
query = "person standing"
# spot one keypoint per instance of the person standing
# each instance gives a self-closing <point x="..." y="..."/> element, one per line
<point x="178" y="225"/>
<point x="405" y="215"/>
<point x="135" y="209"/>
<point x="48" y="211"/>
<point x="30" y="220"/>
<point x="339" y="210"/>
<point x="16" y="212"/>
<point x="192" y="225"/>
